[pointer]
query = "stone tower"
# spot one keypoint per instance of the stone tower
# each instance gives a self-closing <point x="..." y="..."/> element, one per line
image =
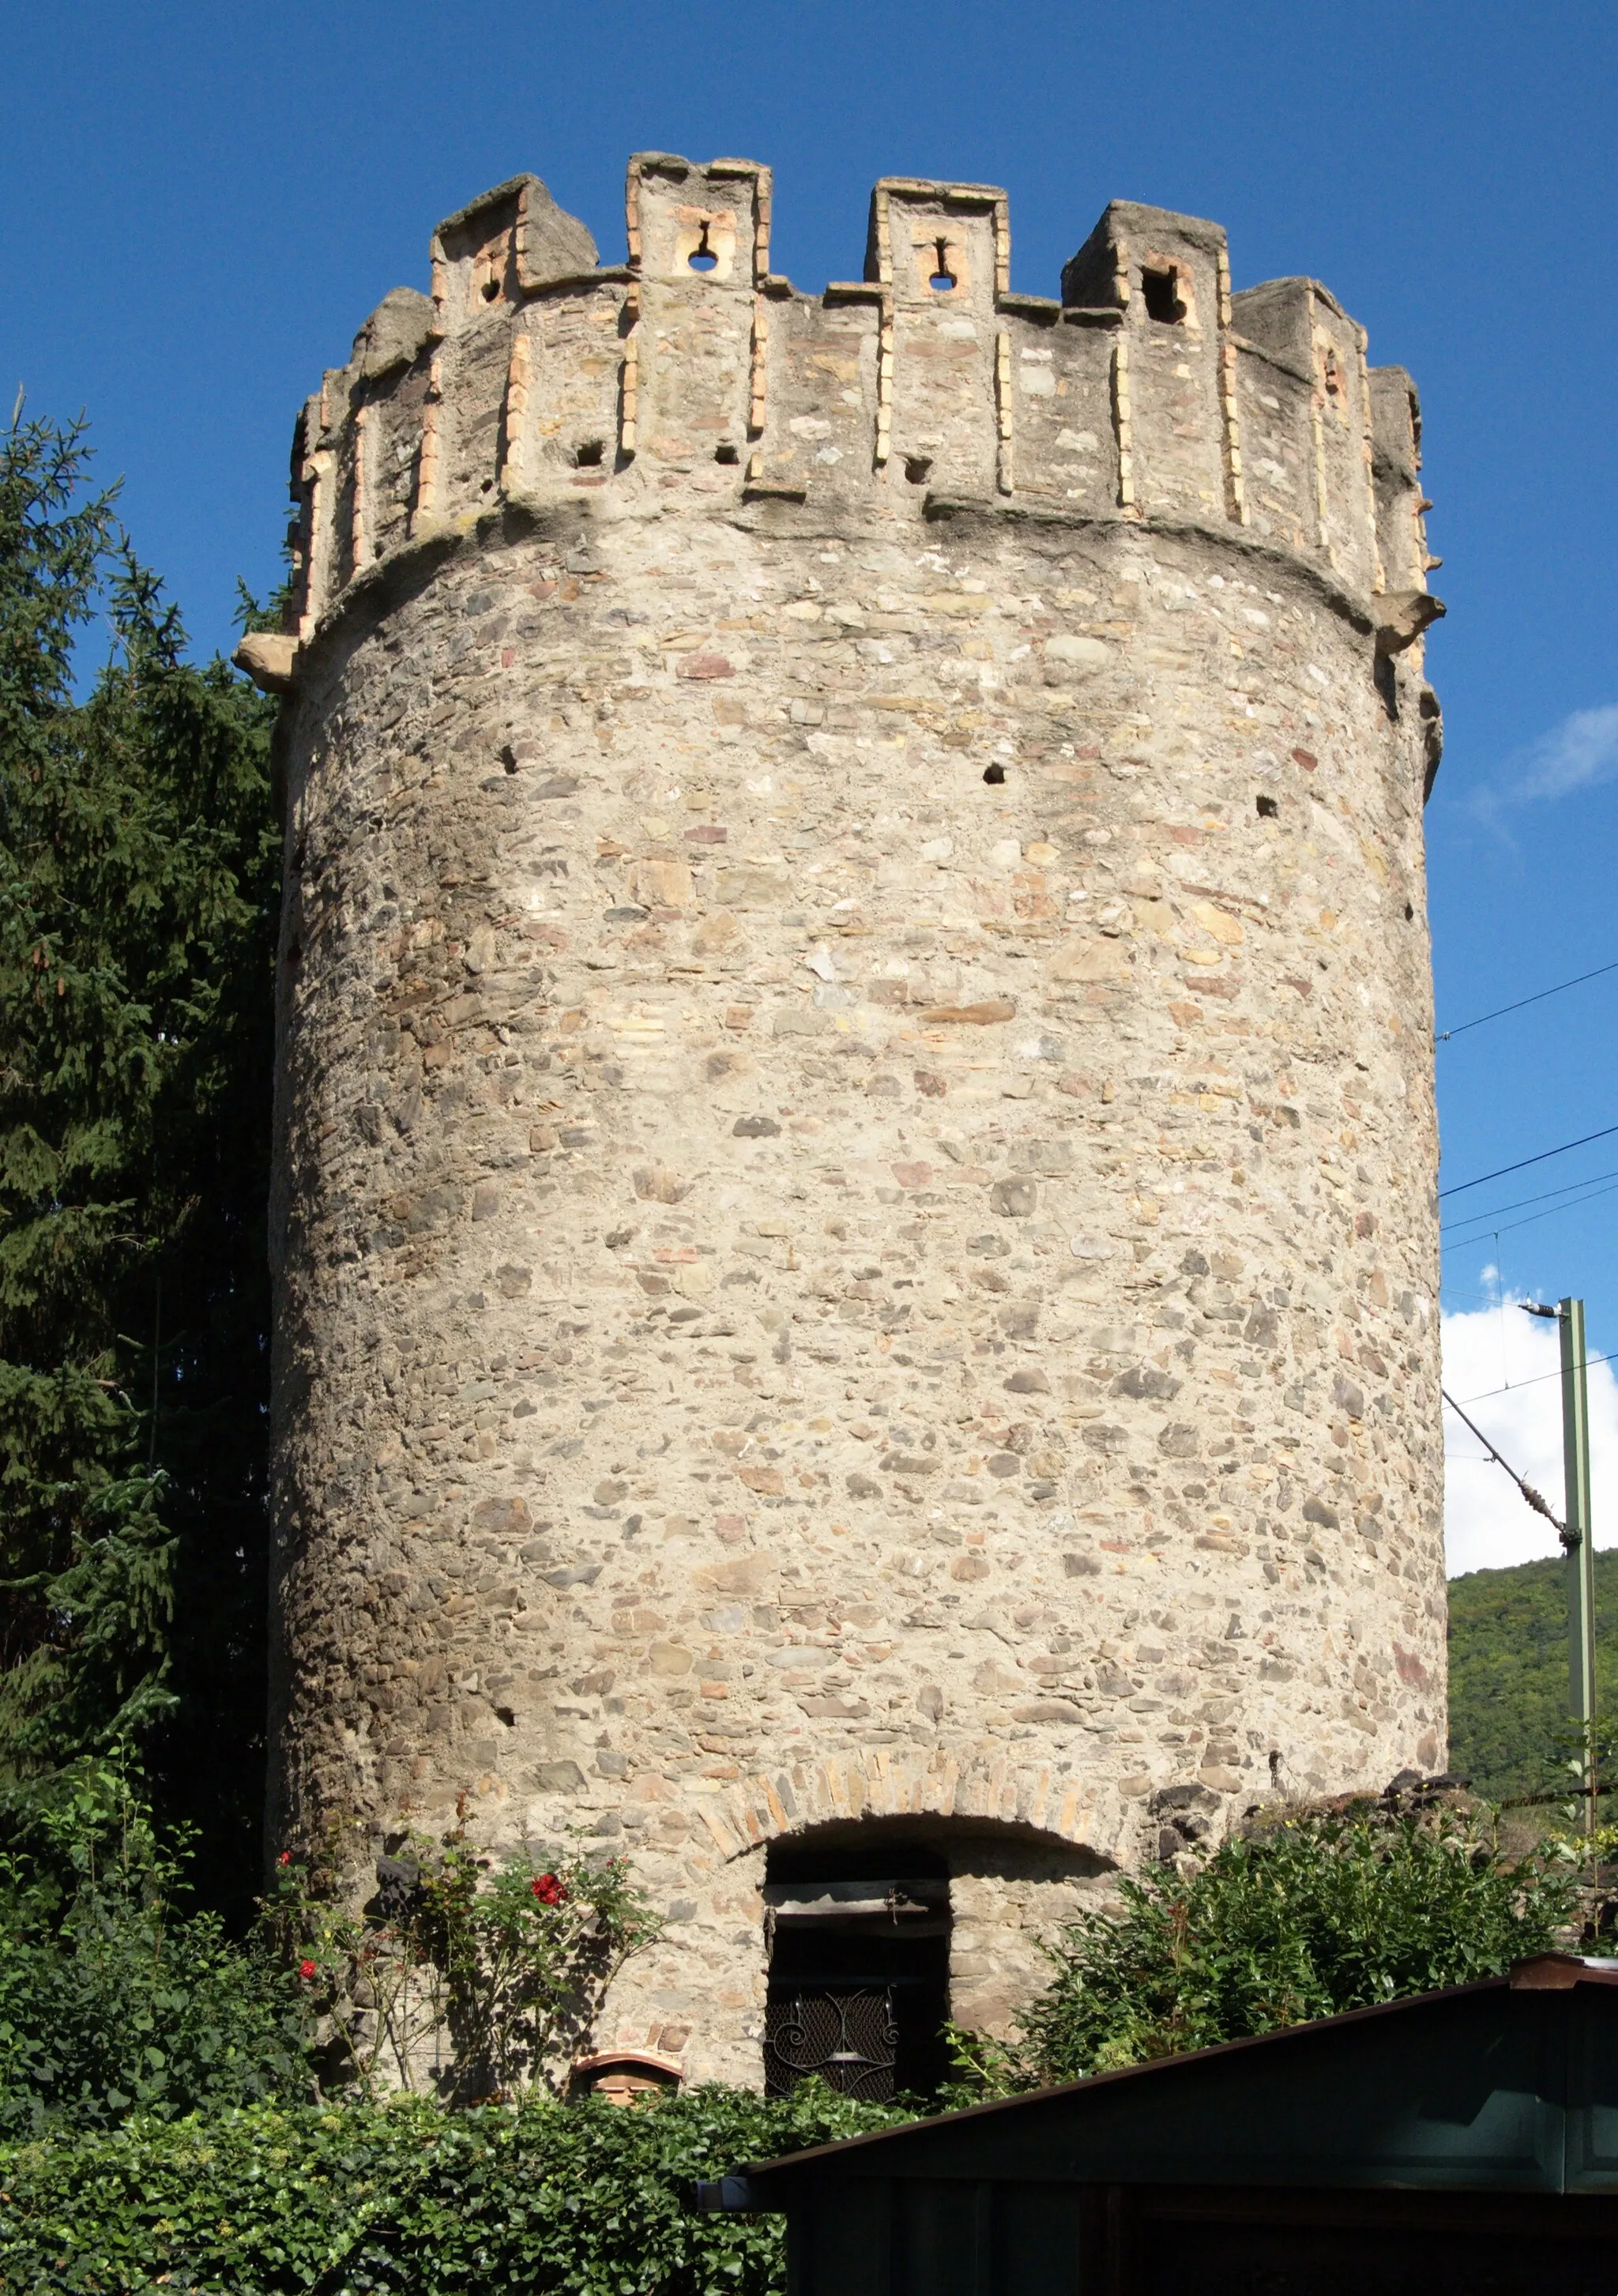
<point x="854" y="1221"/>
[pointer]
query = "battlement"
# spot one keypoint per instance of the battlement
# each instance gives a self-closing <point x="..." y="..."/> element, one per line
<point x="692" y="378"/>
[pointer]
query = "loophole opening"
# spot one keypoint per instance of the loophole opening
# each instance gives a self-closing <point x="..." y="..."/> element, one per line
<point x="727" y="454"/>
<point x="1385" y="677"/>
<point x="994" y="774"/>
<point x="702" y="257"/>
<point x="492" y="290"/>
<point x="918" y="469"/>
<point x="943" y="279"/>
<point x="588" y="456"/>
<point x="1161" y="289"/>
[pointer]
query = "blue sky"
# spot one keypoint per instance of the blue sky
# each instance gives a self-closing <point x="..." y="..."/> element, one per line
<point x="202" y="205"/>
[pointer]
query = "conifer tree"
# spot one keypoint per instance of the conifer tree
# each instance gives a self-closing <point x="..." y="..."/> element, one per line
<point x="138" y="867"/>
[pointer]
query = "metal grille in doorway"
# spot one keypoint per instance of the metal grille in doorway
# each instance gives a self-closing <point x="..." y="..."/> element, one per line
<point x="851" y="2039"/>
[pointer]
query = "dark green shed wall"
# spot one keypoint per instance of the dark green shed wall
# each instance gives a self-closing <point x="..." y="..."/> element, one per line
<point x="1465" y="2144"/>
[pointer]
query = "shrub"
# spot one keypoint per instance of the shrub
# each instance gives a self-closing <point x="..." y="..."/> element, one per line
<point x="406" y="2197"/>
<point x="486" y="1977"/>
<point x="1318" y="1913"/>
<point x="113" y="1998"/>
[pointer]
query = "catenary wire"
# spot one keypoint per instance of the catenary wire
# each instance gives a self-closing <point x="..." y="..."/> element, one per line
<point x="1539" y="1377"/>
<point x="1460" y="1187"/>
<point x="1471" y="1220"/>
<point x="1538" y="997"/>
<point x="1460" y="1242"/>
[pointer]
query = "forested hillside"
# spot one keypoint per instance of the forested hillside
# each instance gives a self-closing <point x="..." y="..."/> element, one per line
<point x="1508" y="1673"/>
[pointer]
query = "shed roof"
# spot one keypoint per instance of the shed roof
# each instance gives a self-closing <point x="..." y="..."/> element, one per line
<point x="1507" y="2085"/>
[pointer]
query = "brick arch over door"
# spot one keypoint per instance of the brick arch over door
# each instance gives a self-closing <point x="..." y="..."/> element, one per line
<point x="882" y="1782"/>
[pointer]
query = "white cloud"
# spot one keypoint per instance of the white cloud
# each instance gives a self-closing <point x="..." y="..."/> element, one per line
<point x="1582" y="749"/>
<point x="1578" y="754"/>
<point x="1486" y="1520"/>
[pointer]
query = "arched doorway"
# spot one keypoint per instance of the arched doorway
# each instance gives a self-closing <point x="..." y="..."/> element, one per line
<point x="859" y="1941"/>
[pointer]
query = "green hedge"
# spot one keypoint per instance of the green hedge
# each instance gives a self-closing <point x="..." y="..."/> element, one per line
<point x="405" y="2197"/>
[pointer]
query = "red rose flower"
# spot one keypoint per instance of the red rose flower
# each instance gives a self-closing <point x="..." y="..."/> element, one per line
<point x="285" y="1857"/>
<point x="549" y="1889"/>
<point x="306" y="1969"/>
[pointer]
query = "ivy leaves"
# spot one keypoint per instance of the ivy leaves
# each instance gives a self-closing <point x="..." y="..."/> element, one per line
<point x="409" y="2200"/>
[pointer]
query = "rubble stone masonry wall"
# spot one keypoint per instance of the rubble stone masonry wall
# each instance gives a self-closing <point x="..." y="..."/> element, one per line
<point x="854" y="1221"/>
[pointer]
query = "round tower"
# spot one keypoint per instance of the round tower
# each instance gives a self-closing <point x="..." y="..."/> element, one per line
<point x="854" y="1226"/>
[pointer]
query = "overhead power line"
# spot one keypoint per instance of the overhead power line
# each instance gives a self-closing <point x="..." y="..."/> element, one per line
<point x="1504" y="1227"/>
<point x="1527" y="1488"/>
<point x="1461" y="1186"/>
<point x="1538" y="997"/>
<point x="1534" y="1379"/>
<point x="1520" y="1203"/>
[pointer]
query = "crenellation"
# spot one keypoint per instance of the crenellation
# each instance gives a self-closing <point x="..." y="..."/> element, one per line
<point x="1172" y="267"/>
<point x="701" y="326"/>
<point x="358" y="487"/>
<point x="313" y="461"/>
<point x="1065" y="443"/>
<point x="1098" y="276"/>
<point x="1124" y="424"/>
<point x="396" y="409"/>
<point x="936" y="251"/>
<point x="1274" y="415"/>
<point x="427" y="508"/>
<point x="717" y="215"/>
<point x="823" y="393"/>
<point x="1368" y="461"/>
<point x="342" y="458"/>
<point x="1342" y="402"/>
<point x="394" y="336"/>
<point x="515" y="414"/>
<point x="472" y="367"/>
<point x="1252" y="410"/>
<point x="1308" y="390"/>
<point x="854" y="1252"/>
<point x="511" y="243"/>
<point x="919" y="230"/>
<point x="302" y="609"/>
<point x="1396" y="478"/>
<point x="1277" y="320"/>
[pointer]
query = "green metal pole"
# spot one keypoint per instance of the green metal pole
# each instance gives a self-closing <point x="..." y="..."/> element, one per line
<point x="1580" y="1545"/>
